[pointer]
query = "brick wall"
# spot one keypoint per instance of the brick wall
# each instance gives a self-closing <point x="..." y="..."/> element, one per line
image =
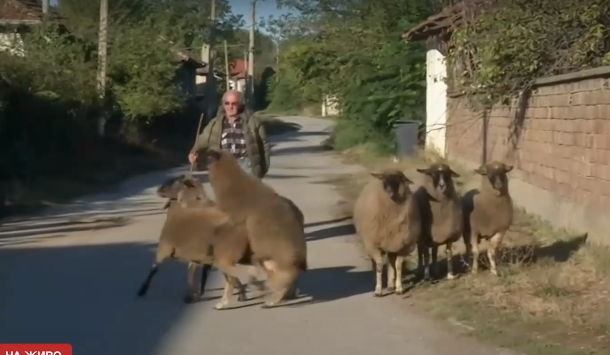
<point x="558" y="138"/>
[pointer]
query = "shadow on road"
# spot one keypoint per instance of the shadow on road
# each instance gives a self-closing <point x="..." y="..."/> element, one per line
<point x="331" y="232"/>
<point x="334" y="283"/>
<point x="85" y="296"/>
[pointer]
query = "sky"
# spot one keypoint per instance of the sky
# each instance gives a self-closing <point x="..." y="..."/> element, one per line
<point x="264" y="8"/>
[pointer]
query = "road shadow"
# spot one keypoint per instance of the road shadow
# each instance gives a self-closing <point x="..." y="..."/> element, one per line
<point x="133" y="197"/>
<point x="331" y="232"/>
<point x="285" y="176"/>
<point x="306" y="149"/>
<point x="332" y="221"/>
<point x="86" y="296"/>
<point x="18" y="231"/>
<point x="334" y="283"/>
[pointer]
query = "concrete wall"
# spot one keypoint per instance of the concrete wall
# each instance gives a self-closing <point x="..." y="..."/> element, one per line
<point x="330" y="106"/>
<point x="557" y="138"/>
<point x="12" y="43"/>
<point x="436" y="99"/>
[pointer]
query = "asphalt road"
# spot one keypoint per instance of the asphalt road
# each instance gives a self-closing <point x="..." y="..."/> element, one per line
<point x="71" y="275"/>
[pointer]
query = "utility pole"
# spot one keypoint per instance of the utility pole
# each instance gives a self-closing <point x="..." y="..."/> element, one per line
<point x="211" y="80"/>
<point x="250" y="77"/>
<point x="227" y="74"/>
<point x="277" y="61"/>
<point x="45" y="7"/>
<point x="102" y="64"/>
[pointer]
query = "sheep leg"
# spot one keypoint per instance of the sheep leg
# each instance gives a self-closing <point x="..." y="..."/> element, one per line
<point x="434" y="263"/>
<point x="205" y="271"/>
<point x="474" y="247"/>
<point x="191" y="294"/>
<point x="399" y="262"/>
<point x="423" y="261"/>
<point x="377" y="260"/>
<point x="164" y="252"/>
<point x="391" y="276"/>
<point x="146" y="284"/>
<point x="494" y="244"/>
<point x="281" y="280"/>
<point x="449" y="256"/>
<point x="230" y="275"/>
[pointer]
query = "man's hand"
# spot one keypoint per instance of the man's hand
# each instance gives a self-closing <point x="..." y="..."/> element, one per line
<point x="192" y="158"/>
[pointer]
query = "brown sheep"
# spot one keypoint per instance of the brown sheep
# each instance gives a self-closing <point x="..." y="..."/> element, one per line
<point x="200" y="233"/>
<point x="277" y="238"/>
<point x="387" y="219"/>
<point x="441" y="213"/>
<point x="488" y="214"/>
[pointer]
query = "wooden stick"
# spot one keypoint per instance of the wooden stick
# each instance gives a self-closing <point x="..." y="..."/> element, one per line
<point x="196" y="138"/>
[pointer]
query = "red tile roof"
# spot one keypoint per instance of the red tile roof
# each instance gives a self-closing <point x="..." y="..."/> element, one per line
<point x="24" y="12"/>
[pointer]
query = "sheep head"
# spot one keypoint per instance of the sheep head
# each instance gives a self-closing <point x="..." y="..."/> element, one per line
<point x="220" y="162"/>
<point x="170" y="188"/>
<point x="395" y="184"/>
<point x="440" y="176"/>
<point x="495" y="174"/>
<point x="182" y="188"/>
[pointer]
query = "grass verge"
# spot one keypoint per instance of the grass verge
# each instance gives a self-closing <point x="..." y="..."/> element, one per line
<point x="553" y="295"/>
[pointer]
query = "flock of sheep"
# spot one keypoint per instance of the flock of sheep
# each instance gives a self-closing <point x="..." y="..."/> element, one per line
<point x="392" y="221"/>
<point x="250" y="225"/>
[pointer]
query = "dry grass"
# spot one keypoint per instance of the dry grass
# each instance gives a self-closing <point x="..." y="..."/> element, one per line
<point x="553" y="293"/>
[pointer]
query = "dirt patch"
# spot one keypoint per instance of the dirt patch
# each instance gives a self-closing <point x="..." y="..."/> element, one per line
<point x="553" y="293"/>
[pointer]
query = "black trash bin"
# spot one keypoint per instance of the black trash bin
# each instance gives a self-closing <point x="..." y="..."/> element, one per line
<point x="407" y="137"/>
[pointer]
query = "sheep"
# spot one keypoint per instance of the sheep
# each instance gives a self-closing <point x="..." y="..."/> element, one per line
<point x="200" y="233"/>
<point x="488" y="214"/>
<point x="276" y="236"/>
<point x="388" y="220"/>
<point x="441" y="215"/>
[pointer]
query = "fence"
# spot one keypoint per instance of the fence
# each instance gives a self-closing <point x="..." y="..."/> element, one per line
<point x="557" y="137"/>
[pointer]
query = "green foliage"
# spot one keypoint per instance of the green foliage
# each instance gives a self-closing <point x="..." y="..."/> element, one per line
<point x="506" y="48"/>
<point x="352" y="49"/>
<point x="48" y="97"/>
<point x="143" y="73"/>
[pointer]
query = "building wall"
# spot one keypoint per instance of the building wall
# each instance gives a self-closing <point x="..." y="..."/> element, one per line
<point x="436" y="99"/>
<point x="557" y="138"/>
<point x="12" y="43"/>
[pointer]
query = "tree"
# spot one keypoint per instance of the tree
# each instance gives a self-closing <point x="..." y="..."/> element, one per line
<point x="353" y="49"/>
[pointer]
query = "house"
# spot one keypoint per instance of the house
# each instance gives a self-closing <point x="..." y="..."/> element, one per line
<point x="16" y="19"/>
<point x="187" y="72"/>
<point x="436" y="30"/>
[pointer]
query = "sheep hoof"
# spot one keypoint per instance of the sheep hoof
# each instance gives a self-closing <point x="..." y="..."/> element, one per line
<point x="495" y="272"/>
<point x="391" y="289"/>
<point x="221" y="305"/>
<point x="400" y="291"/>
<point x="450" y="276"/>
<point x="189" y="298"/>
<point x="377" y="293"/>
<point x="242" y="298"/>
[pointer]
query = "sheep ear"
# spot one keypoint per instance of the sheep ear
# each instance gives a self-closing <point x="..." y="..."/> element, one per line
<point x="508" y="168"/>
<point x="454" y="174"/>
<point x="481" y="170"/>
<point x="166" y="206"/>
<point x="378" y="176"/>
<point x="424" y="171"/>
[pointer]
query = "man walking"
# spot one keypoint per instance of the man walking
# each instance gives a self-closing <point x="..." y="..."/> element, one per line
<point x="239" y="132"/>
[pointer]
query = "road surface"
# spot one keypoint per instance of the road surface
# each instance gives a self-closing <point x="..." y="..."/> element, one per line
<point x="71" y="274"/>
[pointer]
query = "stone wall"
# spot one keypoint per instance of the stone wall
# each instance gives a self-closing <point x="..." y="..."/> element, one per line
<point x="558" y="139"/>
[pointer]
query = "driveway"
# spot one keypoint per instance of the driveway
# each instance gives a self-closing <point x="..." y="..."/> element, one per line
<point x="71" y="275"/>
